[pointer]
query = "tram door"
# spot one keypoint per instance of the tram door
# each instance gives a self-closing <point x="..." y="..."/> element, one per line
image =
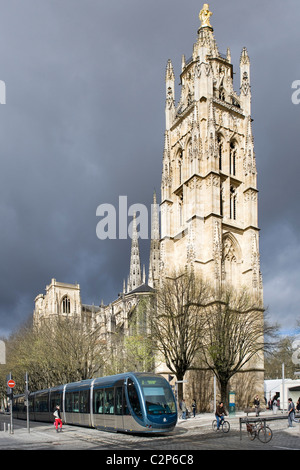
<point x="119" y="406"/>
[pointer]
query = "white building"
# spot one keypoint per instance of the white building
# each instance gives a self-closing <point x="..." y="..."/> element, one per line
<point x="283" y="389"/>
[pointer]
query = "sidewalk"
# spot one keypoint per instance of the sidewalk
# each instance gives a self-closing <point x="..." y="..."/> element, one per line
<point x="204" y="420"/>
<point x="43" y="436"/>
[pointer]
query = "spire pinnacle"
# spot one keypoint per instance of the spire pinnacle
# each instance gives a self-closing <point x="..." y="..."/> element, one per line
<point x="154" y="261"/>
<point x="169" y="71"/>
<point x="244" y="60"/>
<point x="135" y="278"/>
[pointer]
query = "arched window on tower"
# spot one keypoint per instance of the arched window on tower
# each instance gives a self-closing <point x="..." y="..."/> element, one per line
<point x="222" y="94"/>
<point x="221" y="201"/>
<point x="180" y="167"/>
<point x="232" y="203"/>
<point x="232" y="159"/>
<point x="190" y="157"/>
<point x="180" y="207"/>
<point x="66" y="305"/>
<point x="231" y="256"/>
<point x="220" y="152"/>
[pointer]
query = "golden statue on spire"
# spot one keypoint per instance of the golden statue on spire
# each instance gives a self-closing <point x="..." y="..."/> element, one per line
<point x="204" y="15"/>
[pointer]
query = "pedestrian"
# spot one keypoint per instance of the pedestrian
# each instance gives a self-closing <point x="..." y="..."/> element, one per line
<point x="291" y="413"/>
<point x="298" y="405"/>
<point x="256" y="403"/>
<point x="270" y="404"/>
<point x="274" y="405"/>
<point x="57" y="420"/>
<point x="194" y="407"/>
<point x="183" y="409"/>
<point x="220" y="413"/>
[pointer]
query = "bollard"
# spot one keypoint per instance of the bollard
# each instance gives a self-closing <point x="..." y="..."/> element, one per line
<point x="4" y="427"/>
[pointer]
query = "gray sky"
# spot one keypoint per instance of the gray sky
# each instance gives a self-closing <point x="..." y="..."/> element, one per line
<point x="84" y="123"/>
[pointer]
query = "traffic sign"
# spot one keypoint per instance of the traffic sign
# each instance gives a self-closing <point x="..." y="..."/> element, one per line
<point x="11" y="383"/>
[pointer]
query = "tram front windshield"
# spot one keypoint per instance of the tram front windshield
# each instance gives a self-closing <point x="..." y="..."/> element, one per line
<point x="158" y="395"/>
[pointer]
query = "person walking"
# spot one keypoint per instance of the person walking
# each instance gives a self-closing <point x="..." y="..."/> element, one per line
<point x="274" y="405"/>
<point x="291" y="413"/>
<point x="183" y="409"/>
<point x="194" y="407"/>
<point x="256" y="405"/>
<point x="57" y="420"/>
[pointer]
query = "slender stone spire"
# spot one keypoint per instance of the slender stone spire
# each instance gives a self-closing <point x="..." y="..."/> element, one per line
<point x="135" y="276"/>
<point x="154" y="260"/>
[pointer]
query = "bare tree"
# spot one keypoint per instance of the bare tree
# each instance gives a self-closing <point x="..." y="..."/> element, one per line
<point x="234" y="337"/>
<point x="59" y="351"/>
<point x="177" y="321"/>
<point x="282" y="353"/>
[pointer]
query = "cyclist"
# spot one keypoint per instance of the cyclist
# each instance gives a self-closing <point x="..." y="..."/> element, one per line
<point x="220" y="413"/>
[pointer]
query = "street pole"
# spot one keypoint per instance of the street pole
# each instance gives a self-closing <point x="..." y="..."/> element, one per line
<point x="283" y="391"/>
<point x="27" y="400"/>
<point x="10" y="395"/>
<point x="215" y="393"/>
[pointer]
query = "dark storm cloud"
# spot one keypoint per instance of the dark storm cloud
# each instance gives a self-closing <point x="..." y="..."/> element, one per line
<point x="84" y="123"/>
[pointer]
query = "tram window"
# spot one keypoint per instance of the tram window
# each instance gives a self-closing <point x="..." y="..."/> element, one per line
<point x="84" y="401"/>
<point x="156" y="401"/>
<point x="72" y="402"/>
<point x="75" y="402"/>
<point x="98" y="401"/>
<point x="55" y="399"/>
<point x="158" y="396"/>
<point x="41" y="403"/>
<point x="119" y="401"/>
<point x="109" y="407"/>
<point x="68" y="402"/>
<point x="133" y="398"/>
<point x="30" y="403"/>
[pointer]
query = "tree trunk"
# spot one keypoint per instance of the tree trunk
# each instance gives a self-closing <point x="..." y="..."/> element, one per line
<point x="224" y="393"/>
<point x="179" y="377"/>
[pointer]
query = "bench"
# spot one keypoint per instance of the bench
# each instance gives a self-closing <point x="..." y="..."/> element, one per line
<point x="252" y="410"/>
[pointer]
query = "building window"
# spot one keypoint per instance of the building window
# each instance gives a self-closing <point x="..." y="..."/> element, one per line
<point x="66" y="305"/>
<point x="180" y="207"/>
<point x="232" y="203"/>
<point x="232" y="159"/>
<point x="220" y="151"/>
<point x="222" y="94"/>
<point x="221" y="201"/>
<point x="180" y="167"/>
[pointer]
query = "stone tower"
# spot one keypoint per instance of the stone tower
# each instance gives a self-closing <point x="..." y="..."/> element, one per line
<point x="209" y="189"/>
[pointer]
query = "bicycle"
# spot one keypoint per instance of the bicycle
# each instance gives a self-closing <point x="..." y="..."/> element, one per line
<point x="260" y="430"/>
<point x="224" y="425"/>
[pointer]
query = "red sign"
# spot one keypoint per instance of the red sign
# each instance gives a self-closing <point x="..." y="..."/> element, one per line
<point x="11" y="383"/>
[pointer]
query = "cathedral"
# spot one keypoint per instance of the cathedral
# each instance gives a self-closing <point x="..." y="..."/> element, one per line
<point x="208" y="213"/>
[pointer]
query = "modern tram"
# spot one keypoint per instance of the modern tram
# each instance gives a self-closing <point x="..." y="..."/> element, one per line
<point x="132" y="402"/>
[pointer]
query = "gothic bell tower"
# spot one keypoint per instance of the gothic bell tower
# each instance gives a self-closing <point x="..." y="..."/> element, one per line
<point x="209" y="191"/>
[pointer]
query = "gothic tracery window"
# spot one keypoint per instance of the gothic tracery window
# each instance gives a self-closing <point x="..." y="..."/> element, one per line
<point x="222" y="94"/>
<point x="180" y="167"/>
<point x="221" y="201"/>
<point x="66" y="305"/>
<point x="232" y="159"/>
<point x="232" y="203"/>
<point x="220" y="152"/>
<point x="230" y="260"/>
